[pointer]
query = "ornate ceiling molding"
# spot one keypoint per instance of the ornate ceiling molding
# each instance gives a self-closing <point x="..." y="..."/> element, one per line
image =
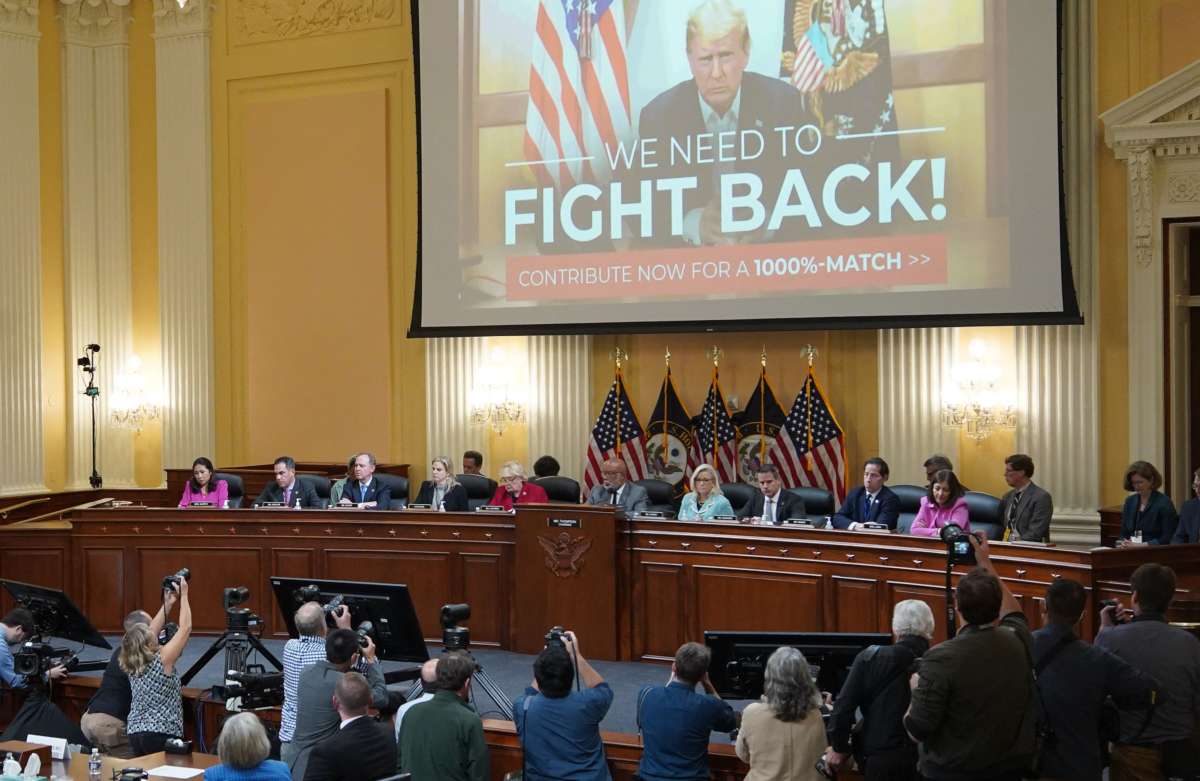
<point x="170" y="19"/>
<point x="262" y="21"/>
<point x="19" y="17"/>
<point x="95" y="22"/>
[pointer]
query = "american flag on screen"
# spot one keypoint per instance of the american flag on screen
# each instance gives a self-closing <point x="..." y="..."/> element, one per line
<point x="716" y="438"/>
<point x="617" y="434"/>
<point x="812" y="60"/>
<point x="811" y="448"/>
<point x="578" y="90"/>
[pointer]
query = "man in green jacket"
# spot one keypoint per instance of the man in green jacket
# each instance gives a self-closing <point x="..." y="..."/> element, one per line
<point x="443" y="738"/>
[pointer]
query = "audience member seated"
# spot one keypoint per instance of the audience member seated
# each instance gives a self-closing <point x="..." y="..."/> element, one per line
<point x="1188" y="530"/>
<point x="1158" y="743"/>
<point x="1075" y="679"/>
<point x="705" y="500"/>
<point x="362" y="749"/>
<point x="934" y="464"/>
<point x="202" y="489"/>
<point x="514" y="489"/>
<point x="443" y="492"/>
<point x="244" y="749"/>
<point x="316" y="718"/>
<point x="978" y="686"/>
<point x="103" y="723"/>
<point x="335" y="490"/>
<point x="676" y="722"/>
<point x="1147" y="517"/>
<point x="1026" y="510"/>
<point x="872" y="502"/>
<point x="287" y="489"/>
<point x="878" y="687"/>
<point x="559" y="728"/>
<point x="18" y="626"/>
<point x="428" y="689"/>
<point x="546" y="466"/>
<point x="771" y="504"/>
<point x="616" y="490"/>
<point x="472" y="461"/>
<point x="156" y="704"/>
<point x="306" y="648"/>
<point x="943" y="504"/>
<point x="364" y="491"/>
<point x="443" y="738"/>
<point x="782" y="737"/>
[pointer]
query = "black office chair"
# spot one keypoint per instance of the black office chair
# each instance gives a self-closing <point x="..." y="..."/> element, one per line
<point x="662" y="496"/>
<point x="480" y="489"/>
<point x="738" y="494"/>
<point x="983" y="511"/>
<point x="237" y="489"/>
<point x="559" y="488"/>
<point x="320" y="484"/>
<point x="910" y="503"/>
<point x="817" y="501"/>
<point x="398" y="485"/>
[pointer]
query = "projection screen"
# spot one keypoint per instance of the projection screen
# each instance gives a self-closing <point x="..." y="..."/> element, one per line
<point x="655" y="165"/>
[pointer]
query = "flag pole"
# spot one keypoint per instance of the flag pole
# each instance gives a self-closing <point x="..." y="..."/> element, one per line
<point x="618" y="355"/>
<point x="716" y="359"/>
<point x="762" y="409"/>
<point x="811" y="352"/>
<point x="666" y="439"/>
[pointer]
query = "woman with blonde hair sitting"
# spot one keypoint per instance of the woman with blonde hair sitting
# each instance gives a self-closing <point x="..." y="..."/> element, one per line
<point x="783" y="736"/>
<point x="156" y="709"/>
<point x="443" y="492"/>
<point x="705" y="501"/>
<point x="243" y="748"/>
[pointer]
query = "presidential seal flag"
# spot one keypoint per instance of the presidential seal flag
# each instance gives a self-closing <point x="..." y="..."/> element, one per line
<point x="811" y="448"/>
<point x="716" y="437"/>
<point x="617" y="434"/>
<point x="669" y="438"/>
<point x="758" y="425"/>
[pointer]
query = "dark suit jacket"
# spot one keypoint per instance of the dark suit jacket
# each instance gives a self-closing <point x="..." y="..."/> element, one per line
<point x="273" y="493"/>
<point x="1189" y="523"/>
<point x="455" y="501"/>
<point x="1033" y="513"/>
<point x="376" y="492"/>
<point x="885" y="509"/>
<point x="766" y="104"/>
<point x="790" y="506"/>
<point x="364" y="750"/>
<point x="1157" y="523"/>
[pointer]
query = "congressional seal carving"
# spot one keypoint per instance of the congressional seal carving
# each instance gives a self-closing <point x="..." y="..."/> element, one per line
<point x="564" y="553"/>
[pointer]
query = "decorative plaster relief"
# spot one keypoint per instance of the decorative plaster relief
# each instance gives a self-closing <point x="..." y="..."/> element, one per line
<point x="1141" y="186"/>
<point x="259" y="21"/>
<point x="1188" y="112"/>
<point x="1184" y="187"/>
<point x="95" y="21"/>
<point x="19" y="17"/>
<point x="170" y="19"/>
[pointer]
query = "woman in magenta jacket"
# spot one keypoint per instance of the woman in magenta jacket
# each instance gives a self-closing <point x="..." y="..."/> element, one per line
<point x="202" y="488"/>
<point x="944" y="504"/>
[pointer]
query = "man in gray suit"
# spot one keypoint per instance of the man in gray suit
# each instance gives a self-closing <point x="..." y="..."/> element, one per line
<point x="1027" y="508"/>
<point x="616" y="489"/>
<point x="316" y="716"/>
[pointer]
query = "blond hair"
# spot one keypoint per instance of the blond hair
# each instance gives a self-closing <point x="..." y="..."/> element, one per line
<point x="512" y="469"/>
<point x="714" y="19"/>
<point x="716" y="489"/>
<point x="136" y="652"/>
<point x="445" y="462"/>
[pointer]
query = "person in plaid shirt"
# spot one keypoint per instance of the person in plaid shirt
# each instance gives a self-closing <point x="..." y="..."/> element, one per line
<point x="299" y="653"/>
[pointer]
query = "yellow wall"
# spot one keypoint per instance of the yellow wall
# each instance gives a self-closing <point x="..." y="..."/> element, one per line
<point x="56" y="384"/>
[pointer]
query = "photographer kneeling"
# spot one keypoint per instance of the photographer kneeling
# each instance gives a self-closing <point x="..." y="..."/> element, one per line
<point x="560" y="728"/>
<point x="156" y="708"/>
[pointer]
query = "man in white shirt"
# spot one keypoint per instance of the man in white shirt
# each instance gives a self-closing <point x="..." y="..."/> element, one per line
<point x="428" y="688"/>
<point x="772" y="505"/>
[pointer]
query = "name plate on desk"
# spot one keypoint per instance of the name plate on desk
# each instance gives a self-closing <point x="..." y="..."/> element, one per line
<point x="805" y="523"/>
<point x="876" y="527"/>
<point x="420" y="507"/>
<point x="270" y="504"/>
<point x="650" y="514"/>
<point x="564" y="523"/>
<point x="201" y="504"/>
<point x="724" y="517"/>
<point x="491" y="508"/>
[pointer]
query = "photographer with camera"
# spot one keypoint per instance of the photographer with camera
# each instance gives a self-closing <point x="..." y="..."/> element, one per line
<point x="156" y="706"/>
<point x="974" y="700"/>
<point x="316" y="715"/>
<point x="103" y="724"/>
<point x="560" y="728"/>
<point x="300" y="652"/>
<point x="18" y="626"/>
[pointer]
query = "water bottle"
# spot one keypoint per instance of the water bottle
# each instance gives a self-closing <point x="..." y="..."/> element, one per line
<point x="94" y="764"/>
<point x="1137" y="536"/>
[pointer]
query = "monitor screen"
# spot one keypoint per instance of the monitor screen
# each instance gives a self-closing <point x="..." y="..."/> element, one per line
<point x="739" y="658"/>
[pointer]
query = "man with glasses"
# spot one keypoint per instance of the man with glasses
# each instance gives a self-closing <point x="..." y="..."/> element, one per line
<point x="616" y="490"/>
<point x="1027" y="508"/>
<point x="287" y="490"/>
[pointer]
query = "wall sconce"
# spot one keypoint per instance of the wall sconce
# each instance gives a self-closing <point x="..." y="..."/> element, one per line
<point x="496" y="400"/>
<point x="971" y="402"/>
<point x="132" y="406"/>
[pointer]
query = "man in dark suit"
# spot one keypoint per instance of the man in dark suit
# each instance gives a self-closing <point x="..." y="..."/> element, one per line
<point x="364" y="491"/>
<point x="726" y="106"/>
<point x="1026" y="510"/>
<point x="287" y="489"/>
<point x="872" y="502"/>
<point x="1188" y="530"/>
<point x="362" y="749"/>
<point x="771" y="504"/>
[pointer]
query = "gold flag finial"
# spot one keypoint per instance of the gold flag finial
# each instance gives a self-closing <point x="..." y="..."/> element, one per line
<point x="809" y="351"/>
<point x="763" y="356"/>
<point x="619" y="356"/>
<point x="715" y="353"/>
<point x="667" y="357"/>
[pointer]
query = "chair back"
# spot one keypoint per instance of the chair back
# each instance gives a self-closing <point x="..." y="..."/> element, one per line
<point x="319" y="484"/>
<point x="661" y="493"/>
<point x="738" y="494"/>
<point x="983" y="510"/>
<point x="480" y="489"/>
<point x="398" y="486"/>
<point x="237" y="489"/>
<point x="559" y="488"/>
<point x="817" y="501"/>
<point x="910" y="503"/>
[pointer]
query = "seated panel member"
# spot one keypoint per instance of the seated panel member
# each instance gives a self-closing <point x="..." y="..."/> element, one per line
<point x="943" y="504"/>
<point x="472" y="463"/>
<point x="202" y="487"/>
<point x="771" y="504"/>
<point x="616" y="490"/>
<point x="443" y="492"/>
<point x="514" y="489"/>
<point x="1147" y="511"/>
<point x="872" y="502"/>
<point x="287" y="489"/>
<point x="339" y="485"/>
<point x="705" y="501"/>
<point x="364" y="491"/>
<point x="1188" y="530"/>
<point x="1027" y="508"/>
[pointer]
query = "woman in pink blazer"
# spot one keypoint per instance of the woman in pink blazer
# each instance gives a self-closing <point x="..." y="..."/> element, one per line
<point x="202" y="487"/>
<point x="944" y="504"/>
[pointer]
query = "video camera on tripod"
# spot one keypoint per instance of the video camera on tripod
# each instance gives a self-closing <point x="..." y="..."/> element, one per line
<point x="256" y="687"/>
<point x="37" y="658"/>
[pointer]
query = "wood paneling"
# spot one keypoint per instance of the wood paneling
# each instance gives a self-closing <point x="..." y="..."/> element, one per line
<point x="729" y="598"/>
<point x="855" y="604"/>
<point x="661" y="611"/>
<point x="39" y="566"/>
<point x="931" y="595"/>
<point x="213" y="570"/>
<point x="103" y="601"/>
<point x="426" y="573"/>
<point x="485" y="589"/>
<point x="287" y="563"/>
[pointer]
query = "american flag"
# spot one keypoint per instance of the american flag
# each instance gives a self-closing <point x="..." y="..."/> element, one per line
<point x="812" y="59"/>
<point x="811" y="448"/>
<point x="605" y="442"/>
<point x="578" y="90"/>
<point x="715" y="434"/>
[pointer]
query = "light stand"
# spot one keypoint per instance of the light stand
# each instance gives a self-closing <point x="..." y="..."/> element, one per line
<point x="87" y="364"/>
<point x="458" y="638"/>
<point x="951" y="618"/>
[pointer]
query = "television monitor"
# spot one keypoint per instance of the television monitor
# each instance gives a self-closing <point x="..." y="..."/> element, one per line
<point x="54" y="614"/>
<point x="740" y="658"/>
<point x="388" y="606"/>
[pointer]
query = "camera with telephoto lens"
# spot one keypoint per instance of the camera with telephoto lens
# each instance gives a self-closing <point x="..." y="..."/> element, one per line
<point x="958" y="544"/>
<point x="36" y="658"/>
<point x="556" y="635"/>
<point x="172" y="581"/>
<point x="256" y="687"/>
<point x="365" y="629"/>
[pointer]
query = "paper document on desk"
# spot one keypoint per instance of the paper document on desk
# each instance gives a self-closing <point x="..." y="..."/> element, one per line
<point x="174" y="771"/>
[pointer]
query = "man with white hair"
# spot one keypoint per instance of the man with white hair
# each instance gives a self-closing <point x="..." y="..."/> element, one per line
<point x="298" y="653"/>
<point x="878" y="686"/>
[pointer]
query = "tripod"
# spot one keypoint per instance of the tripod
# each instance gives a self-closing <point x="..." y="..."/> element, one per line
<point x="237" y="642"/>
<point x="457" y="638"/>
